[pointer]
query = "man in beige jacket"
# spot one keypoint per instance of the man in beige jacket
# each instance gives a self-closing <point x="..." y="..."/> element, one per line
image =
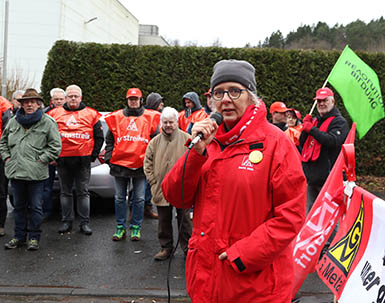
<point x="161" y="154"/>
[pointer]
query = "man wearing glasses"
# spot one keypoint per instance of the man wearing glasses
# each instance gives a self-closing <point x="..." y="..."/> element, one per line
<point x="321" y="141"/>
<point x="82" y="138"/>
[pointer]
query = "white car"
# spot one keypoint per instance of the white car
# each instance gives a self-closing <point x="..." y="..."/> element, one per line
<point x="101" y="183"/>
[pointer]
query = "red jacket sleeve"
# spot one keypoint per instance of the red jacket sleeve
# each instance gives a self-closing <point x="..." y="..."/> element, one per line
<point x="172" y="182"/>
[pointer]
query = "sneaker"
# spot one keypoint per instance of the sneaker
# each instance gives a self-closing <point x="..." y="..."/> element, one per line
<point x="33" y="244"/>
<point x="135" y="233"/>
<point x="14" y="243"/>
<point x="120" y="233"/>
<point x="2" y="232"/>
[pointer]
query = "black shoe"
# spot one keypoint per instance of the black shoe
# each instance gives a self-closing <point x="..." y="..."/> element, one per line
<point x="65" y="227"/>
<point x="85" y="229"/>
<point x="14" y="243"/>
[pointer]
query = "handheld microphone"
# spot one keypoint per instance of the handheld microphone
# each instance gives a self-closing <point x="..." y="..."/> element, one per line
<point x="217" y="117"/>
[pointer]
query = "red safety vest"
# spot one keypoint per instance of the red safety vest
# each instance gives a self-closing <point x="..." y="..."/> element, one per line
<point x="76" y="130"/>
<point x="312" y="148"/>
<point x="196" y="116"/>
<point x="131" y="136"/>
<point x="4" y="106"/>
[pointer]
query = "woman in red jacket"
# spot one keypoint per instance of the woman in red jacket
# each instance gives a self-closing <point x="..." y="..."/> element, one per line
<point x="246" y="183"/>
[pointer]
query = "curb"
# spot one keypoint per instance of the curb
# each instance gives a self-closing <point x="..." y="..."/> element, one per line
<point x="97" y="292"/>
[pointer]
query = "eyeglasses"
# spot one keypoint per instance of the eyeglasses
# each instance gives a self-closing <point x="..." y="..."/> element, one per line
<point x="233" y="93"/>
<point x="73" y="96"/>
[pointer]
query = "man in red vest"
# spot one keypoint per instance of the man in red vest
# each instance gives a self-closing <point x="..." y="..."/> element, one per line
<point x="192" y="113"/>
<point x="5" y="114"/>
<point x="82" y="138"/>
<point x="130" y="131"/>
<point x="321" y="141"/>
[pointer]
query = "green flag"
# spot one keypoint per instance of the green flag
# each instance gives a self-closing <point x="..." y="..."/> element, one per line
<point x="360" y="90"/>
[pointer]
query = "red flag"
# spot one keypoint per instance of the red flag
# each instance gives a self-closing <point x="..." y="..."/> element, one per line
<point x="319" y="223"/>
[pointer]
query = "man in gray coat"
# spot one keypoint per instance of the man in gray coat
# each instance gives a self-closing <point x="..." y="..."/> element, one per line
<point x="161" y="154"/>
<point x="30" y="141"/>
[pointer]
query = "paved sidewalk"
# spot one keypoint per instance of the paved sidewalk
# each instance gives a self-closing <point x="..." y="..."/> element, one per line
<point x="78" y="268"/>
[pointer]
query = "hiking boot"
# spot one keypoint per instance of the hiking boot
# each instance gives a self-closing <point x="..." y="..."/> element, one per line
<point x="33" y="244"/>
<point x="2" y="232"/>
<point x="135" y="233"/>
<point x="120" y="233"/>
<point x="149" y="213"/>
<point x="14" y="243"/>
<point x="164" y="254"/>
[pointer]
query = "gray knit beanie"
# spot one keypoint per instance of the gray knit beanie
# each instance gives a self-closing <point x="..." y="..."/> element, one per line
<point x="234" y="71"/>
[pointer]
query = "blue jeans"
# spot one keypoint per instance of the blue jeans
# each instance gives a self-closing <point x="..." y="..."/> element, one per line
<point x="121" y="186"/>
<point x="28" y="212"/>
<point x="148" y="195"/>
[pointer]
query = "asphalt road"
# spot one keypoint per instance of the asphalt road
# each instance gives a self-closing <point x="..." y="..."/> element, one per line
<point x="78" y="268"/>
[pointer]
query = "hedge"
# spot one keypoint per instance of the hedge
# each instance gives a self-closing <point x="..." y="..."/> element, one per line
<point x="106" y="71"/>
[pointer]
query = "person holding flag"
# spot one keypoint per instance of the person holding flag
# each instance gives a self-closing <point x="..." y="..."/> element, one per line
<point x="321" y="141"/>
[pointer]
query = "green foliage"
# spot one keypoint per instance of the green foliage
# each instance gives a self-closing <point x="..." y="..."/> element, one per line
<point x="105" y="72"/>
<point x="358" y="34"/>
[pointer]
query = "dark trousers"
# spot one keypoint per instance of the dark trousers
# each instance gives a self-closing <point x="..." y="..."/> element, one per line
<point x="165" y="231"/>
<point x="28" y="212"/>
<point x="312" y="192"/>
<point x="3" y="194"/>
<point x="47" y="191"/>
<point x="75" y="170"/>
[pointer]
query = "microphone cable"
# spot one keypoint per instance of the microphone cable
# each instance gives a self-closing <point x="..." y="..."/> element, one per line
<point x="179" y="229"/>
<point x="218" y="118"/>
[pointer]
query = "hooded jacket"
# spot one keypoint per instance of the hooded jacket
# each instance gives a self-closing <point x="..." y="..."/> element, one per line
<point x="251" y="211"/>
<point x="188" y="117"/>
<point x="331" y="142"/>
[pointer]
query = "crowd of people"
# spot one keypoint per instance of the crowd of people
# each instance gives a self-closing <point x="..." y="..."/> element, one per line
<point x="238" y="179"/>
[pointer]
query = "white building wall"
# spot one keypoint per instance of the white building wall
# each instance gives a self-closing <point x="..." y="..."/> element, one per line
<point x="35" y="25"/>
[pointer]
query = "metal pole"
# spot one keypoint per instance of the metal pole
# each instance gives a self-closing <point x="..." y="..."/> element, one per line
<point x="5" y="52"/>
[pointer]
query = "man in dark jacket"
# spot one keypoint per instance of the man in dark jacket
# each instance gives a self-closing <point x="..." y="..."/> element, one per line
<point x="82" y="138"/>
<point x="321" y="141"/>
<point x="278" y="115"/>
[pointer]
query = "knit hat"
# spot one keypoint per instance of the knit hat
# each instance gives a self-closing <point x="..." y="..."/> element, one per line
<point x="153" y="100"/>
<point x="234" y="71"/>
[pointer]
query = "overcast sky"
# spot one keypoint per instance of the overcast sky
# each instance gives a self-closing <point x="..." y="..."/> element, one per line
<point x="236" y="23"/>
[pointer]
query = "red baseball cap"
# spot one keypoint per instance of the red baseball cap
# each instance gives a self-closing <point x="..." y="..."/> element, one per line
<point x="296" y="113"/>
<point x="134" y="92"/>
<point x="323" y="93"/>
<point x="208" y="93"/>
<point x="278" y="106"/>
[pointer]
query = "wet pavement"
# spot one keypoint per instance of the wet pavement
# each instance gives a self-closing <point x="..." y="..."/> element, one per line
<point x="73" y="267"/>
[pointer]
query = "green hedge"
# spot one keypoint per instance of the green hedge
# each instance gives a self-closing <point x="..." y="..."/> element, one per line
<point x="105" y="72"/>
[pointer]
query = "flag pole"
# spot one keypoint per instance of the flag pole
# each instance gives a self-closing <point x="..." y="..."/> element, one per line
<point x="315" y="101"/>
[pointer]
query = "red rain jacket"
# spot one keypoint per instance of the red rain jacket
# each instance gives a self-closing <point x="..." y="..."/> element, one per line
<point x="252" y="211"/>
